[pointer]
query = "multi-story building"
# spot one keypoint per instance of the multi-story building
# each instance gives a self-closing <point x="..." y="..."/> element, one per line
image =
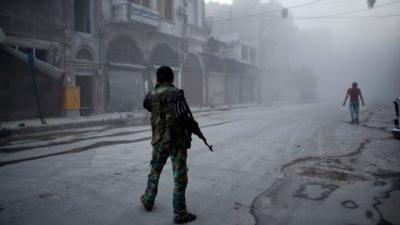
<point x="260" y="25"/>
<point x="109" y="48"/>
<point x="138" y="36"/>
<point x="232" y="73"/>
<point x="36" y="29"/>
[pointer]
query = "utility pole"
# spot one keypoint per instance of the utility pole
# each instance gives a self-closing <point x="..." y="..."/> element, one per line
<point x="31" y="60"/>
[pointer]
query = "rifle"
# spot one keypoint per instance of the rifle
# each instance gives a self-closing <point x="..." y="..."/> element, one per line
<point x="201" y="136"/>
<point x="197" y="131"/>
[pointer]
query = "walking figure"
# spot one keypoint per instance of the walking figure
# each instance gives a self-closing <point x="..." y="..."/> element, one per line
<point x="355" y="94"/>
<point x="172" y="124"/>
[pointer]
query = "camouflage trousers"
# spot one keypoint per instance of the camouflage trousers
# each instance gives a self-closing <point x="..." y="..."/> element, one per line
<point x="178" y="159"/>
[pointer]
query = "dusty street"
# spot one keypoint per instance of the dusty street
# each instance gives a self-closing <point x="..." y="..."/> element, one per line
<point x="299" y="164"/>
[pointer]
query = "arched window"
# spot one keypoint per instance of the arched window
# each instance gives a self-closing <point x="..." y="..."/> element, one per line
<point x="84" y="54"/>
<point x="124" y="49"/>
<point x="163" y="55"/>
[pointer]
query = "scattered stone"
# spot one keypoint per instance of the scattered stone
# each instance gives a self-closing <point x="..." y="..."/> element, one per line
<point x="350" y="204"/>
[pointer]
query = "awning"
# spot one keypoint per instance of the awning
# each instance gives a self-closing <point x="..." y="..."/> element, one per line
<point x="44" y="67"/>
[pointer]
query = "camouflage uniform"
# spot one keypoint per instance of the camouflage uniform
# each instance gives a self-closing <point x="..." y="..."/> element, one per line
<point x="171" y="122"/>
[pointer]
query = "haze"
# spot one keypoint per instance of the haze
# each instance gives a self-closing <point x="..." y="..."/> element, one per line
<point x="366" y="49"/>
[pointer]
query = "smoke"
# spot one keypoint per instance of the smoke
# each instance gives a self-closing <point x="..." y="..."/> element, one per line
<point x="361" y="46"/>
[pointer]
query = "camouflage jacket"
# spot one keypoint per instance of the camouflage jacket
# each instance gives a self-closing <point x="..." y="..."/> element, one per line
<point x="171" y="120"/>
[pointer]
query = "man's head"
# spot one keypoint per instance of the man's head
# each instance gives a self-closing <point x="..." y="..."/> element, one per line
<point x="165" y="75"/>
<point x="354" y="85"/>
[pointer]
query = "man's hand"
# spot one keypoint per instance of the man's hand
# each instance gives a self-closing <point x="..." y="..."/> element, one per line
<point x="344" y="103"/>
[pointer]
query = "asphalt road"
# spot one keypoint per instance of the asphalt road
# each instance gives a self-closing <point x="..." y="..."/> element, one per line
<point x="287" y="164"/>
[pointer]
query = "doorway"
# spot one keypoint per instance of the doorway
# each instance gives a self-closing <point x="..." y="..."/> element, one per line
<point x="86" y="90"/>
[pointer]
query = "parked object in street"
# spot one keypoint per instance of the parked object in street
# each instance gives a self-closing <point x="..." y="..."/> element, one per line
<point x="396" y="129"/>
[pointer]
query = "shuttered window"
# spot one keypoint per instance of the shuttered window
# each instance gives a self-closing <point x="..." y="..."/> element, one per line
<point x="165" y="8"/>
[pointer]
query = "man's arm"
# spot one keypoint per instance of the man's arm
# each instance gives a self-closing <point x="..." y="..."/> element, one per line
<point x="345" y="99"/>
<point x="362" y="99"/>
<point x="147" y="102"/>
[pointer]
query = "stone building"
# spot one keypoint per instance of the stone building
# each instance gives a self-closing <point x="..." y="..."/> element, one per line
<point x="232" y="73"/>
<point x="42" y="37"/>
<point x="109" y="48"/>
<point x="271" y="35"/>
<point x="139" y="36"/>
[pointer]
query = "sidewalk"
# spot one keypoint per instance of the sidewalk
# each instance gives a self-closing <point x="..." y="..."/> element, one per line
<point x="59" y="123"/>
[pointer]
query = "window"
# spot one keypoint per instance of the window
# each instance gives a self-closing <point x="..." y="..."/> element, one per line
<point x="82" y="16"/>
<point x="38" y="53"/>
<point x="165" y="8"/>
<point x="124" y="50"/>
<point x="84" y="54"/>
<point x="195" y="13"/>
<point x="145" y="3"/>
<point x="25" y="50"/>
<point x="41" y="54"/>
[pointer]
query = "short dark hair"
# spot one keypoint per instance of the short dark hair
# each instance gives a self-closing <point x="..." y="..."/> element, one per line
<point x="354" y="84"/>
<point x="165" y="74"/>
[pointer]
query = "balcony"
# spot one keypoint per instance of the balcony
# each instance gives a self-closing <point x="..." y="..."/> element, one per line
<point x="124" y="11"/>
<point x="197" y="33"/>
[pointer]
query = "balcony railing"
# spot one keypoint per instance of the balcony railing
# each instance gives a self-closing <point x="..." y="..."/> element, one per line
<point x="197" y="33"/>
<point x="124" y="11"/>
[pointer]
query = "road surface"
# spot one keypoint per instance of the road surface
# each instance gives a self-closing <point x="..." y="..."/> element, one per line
<point x="286" y="164"/>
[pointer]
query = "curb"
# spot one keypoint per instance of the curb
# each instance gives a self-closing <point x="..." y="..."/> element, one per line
<point x="133" y="121"/>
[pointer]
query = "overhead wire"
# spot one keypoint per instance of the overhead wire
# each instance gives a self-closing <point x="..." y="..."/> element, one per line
<point x="330" y="16"/>
<point x="355" y="11"/>
<point x="269" y="12"/>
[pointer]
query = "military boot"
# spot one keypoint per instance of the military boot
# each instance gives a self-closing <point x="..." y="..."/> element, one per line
<point x="147" y="206"/>
<point x="184" y="218"/>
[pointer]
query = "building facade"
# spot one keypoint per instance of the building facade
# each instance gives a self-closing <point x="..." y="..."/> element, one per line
<point x="139" y="36"/>
<point x="271" y="36"/>
<point x="44" y="39"/>
<point x="232" y="73"/>
<point x="110" y="49"/>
